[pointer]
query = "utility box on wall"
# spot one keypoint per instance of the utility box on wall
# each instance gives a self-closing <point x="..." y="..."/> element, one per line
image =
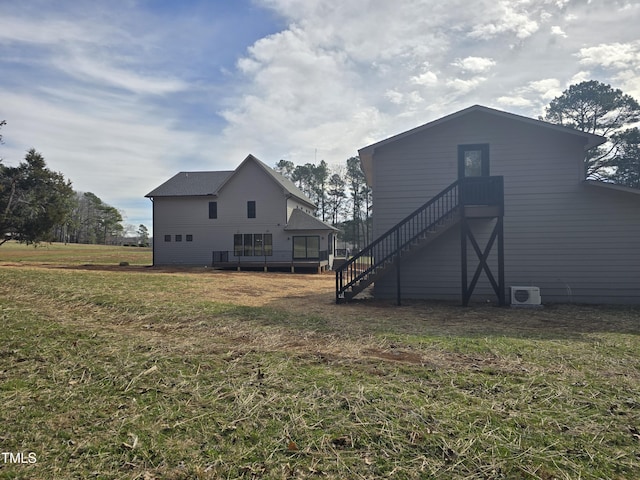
<point x="525" y="297"/>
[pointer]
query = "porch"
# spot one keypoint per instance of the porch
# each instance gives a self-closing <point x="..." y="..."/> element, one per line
<point x="275" y="261"/>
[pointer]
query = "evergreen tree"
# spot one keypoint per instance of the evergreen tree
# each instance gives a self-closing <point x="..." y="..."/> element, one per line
<point x="596" y="108"/>
<point x="33" y="200"/>
<point x="627" y="158"/>
<point x="143" y="236"/>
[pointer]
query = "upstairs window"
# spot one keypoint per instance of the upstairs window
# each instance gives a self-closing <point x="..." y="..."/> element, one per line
<point x="251" y="209"/>
<point x="213" y="209"/>
<point x="473" y="160"/>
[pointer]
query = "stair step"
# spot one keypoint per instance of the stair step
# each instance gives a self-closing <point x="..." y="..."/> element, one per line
<point x="421" y="240"/>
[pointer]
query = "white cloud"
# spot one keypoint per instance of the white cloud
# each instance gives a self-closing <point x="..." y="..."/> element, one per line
<point x="84" y="67"/>
<point x="462" y="86"/>
<point x="621" y="58"/>
<point x="53" y="32"/>
<point x="629" y="82"/>
<point x="547" y="88"/>
<point x="557" y="30"/>
<point x="426" y="79"/>
<point x="534" y="94"/>
<point x="505" y="17"/>
<point x="581" y="76"/>
<point x="514" y="101"/>
<point x="394" y="96"/>
<point x="109" y="139"/>
<point x="88" y="52"/>
<point x="612" y="55"/>
<point x="335" y="57"/>
<point x="474" y="64"/>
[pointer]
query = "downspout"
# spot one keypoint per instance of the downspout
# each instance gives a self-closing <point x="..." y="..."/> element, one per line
<point x="153" y="238"/>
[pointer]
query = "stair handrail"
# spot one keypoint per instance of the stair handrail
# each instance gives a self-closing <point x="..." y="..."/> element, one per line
<point x="394" y="233"/>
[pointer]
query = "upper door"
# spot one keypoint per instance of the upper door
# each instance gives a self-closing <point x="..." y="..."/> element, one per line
<point x="473" y="160"/>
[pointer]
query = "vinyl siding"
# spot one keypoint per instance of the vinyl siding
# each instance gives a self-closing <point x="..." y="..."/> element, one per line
<point x="190" y="215"/>
<point x="577" y="243"/>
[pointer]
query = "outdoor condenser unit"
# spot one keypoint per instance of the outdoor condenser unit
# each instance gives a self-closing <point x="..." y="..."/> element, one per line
<point x="525" y="296"/>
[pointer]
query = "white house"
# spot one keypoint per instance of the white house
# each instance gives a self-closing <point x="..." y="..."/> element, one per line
<point x="246" y="218"/>
<point x="480" y="200"/>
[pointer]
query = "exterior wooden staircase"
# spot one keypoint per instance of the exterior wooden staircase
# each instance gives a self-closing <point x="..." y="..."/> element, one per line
<point x="416" y="232"/>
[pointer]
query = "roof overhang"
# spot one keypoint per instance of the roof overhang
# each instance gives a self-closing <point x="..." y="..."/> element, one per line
<point x="366" y="153"/>
<point x="302" y="221"/>
<point x="612" y="186"/>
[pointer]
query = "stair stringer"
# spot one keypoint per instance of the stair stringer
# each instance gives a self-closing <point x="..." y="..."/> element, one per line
<point x="418" y="244"/>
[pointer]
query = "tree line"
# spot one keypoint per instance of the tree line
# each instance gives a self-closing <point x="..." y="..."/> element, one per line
<point x="341" y="193"/>
<point x="38" y="205"/>
<point x="90" y="220"/>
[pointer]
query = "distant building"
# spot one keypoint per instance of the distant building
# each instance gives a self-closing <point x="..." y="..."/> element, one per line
<point x="246" y="218"/>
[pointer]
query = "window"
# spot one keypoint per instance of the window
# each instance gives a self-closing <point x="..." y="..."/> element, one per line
<point x="473" y="160"/>
<point x="213" y="209"/>
<point x="251" y="209"/>
<point x="253" y="245"/>
<point x="306" y="248"/>
<point x="167" y="238"/>
<point x="178" y="238"/>
<point x="237" y="245"/>
<point x="268" y="245"/>
<point x="258" y="244"/>
<point x="248" y="244"/>
<point x="189" y="238"/>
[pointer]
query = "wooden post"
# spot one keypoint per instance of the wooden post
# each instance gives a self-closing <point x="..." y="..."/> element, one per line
<point x="464" y="227"/>
<point x="398" y="272"/>
<point x="501" y="282"/>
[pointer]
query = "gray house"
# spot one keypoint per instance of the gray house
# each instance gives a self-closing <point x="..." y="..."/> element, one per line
<point x="246" y="218"/>
<point x="482" y="200"/>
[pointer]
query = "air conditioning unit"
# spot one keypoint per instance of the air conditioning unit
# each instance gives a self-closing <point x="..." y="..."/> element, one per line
<point x="525" y="296"/>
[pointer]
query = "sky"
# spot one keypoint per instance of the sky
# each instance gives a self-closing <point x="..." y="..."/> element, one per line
<point x="120" y="95"/>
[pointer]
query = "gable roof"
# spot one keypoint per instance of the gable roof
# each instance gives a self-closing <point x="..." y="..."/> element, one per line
<point x="191" y="183"/>
<point x="287" y="185"/>
<point x="366" y="153"/>
<point x="210" y="183"/>
<point x="300" y="220"/>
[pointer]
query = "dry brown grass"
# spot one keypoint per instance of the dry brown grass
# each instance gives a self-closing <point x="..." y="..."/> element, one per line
<point x="137" y="372"/>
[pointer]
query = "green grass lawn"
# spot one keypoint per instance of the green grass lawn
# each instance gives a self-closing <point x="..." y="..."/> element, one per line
<point x="117" y="373"/>
<point x="74" y="254"/>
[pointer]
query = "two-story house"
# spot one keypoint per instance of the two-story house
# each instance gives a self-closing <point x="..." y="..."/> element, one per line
<point x="473" y="203"/>
<point x="251" y="217"/>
